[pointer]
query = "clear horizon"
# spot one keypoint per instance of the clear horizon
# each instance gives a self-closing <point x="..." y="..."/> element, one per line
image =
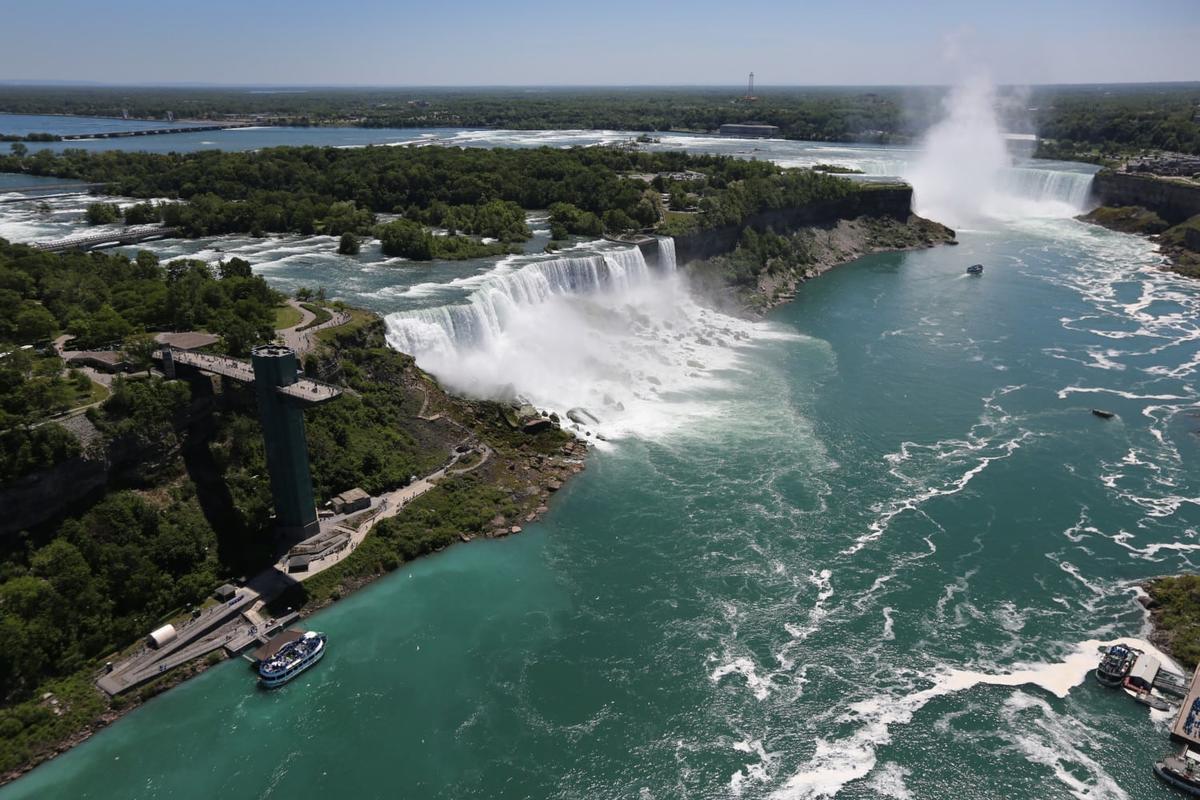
<point x="533" y="43"/>
<point x="298" y="87"/>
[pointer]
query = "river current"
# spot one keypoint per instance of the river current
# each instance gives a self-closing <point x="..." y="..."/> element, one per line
<point x="867" y="547"/>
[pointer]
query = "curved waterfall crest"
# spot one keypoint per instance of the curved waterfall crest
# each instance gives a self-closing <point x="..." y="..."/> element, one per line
<point x="1070" y="188"/>
<point x="443" y="329"/>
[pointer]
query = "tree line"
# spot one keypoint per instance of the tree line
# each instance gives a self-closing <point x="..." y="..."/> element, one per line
<point x="1150" y="115"/>
<point x="465" y="192"/>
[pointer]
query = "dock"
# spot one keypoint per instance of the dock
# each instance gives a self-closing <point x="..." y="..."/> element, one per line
<point x="273" y="646"/>
<point x="1186" y="727"/>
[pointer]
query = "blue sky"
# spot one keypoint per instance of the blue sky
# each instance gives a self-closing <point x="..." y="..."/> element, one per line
<point x="605" y="42"/>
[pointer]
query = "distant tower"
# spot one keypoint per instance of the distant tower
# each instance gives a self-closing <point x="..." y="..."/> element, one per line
<point x="750" y="98"/>
<point x="283" y="433"/>
<point x="170" y="116"/>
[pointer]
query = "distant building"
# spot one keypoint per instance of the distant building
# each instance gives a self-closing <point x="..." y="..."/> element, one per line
<point x="352" y="500"/>
<point x="103" y="360"/>
<point x="750" y="130"/>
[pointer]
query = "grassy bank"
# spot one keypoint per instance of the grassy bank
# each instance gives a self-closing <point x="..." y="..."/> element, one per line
<point x="1174" y="605"/>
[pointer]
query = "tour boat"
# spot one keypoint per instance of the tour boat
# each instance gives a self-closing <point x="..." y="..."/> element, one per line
<point x="1115" y="665"/>
<point x="975" y="269"/>
<point x="1181" y="771"/>
<point x="292" y="659"/>
<point x="1102" y="414"/>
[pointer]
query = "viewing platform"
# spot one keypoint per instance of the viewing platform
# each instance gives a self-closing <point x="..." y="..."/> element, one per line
<point x="305" y="391"/>
<point x="98" y="241"/>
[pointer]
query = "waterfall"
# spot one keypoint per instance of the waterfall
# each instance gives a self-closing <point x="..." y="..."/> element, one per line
<point x="965" y="172"/>
<point x="1041" y="185"/>
<point x="486" y="314"/>
<point x="602" y="332"/>
<point x="666" y="254"/>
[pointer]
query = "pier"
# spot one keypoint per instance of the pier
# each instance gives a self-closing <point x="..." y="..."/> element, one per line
<point x="99" y="241"/>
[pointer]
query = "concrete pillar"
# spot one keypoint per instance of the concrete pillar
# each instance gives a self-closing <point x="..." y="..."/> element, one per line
<point x="168" y="363"/>
<point x="283" y="433"/>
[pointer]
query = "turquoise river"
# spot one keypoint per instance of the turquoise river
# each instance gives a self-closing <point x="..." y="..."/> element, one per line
<point x="866" y="547"/>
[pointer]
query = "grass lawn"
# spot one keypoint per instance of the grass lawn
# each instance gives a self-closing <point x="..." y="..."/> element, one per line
<point x="323" y="315"/>
<point x="358" y="319"/>
<point x="287" y="317"/>
<point x="99" y="392"/>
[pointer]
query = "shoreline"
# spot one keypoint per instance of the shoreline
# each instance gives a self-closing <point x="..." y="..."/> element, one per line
<point x="1178" y="256"/>
<point x="1172" y="604"/>
<point x="538" y="476"/>
<point x="136" y="699"/>
<point x="828" y="246"/>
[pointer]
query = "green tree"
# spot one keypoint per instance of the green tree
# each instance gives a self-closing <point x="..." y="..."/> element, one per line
<point x="142" y="214"/>
<point x="348" y="244"/>
<point x="102" y="213"/>
<point x="406" y="239"/>
<point x="35" y="323"/>
<point x="139" y="350"/>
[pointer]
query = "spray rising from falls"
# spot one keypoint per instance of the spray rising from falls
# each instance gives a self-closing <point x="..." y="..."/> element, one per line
<point x="966" y="173"/>
<point x="605" y="332"/>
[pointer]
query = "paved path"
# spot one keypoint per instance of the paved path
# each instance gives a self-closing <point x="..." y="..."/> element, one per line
<point x="291" y="336"/>
<point x="194" y="638"/>
<point x="387" y="505"/>
<point x="302" y="340"/>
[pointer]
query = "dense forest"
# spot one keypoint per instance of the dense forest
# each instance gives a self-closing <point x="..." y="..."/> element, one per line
<point x="1111" y="117"/>
<point x="460" y="190"/>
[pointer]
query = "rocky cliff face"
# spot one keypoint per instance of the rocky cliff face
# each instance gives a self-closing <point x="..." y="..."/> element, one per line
<point x="892" y="201"/>
<point x="1172" y="200"/>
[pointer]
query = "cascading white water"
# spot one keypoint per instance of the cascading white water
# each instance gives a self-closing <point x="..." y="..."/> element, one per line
<point x="965" y="172"/>
<point x="483" y="319"/>
<point x="605" y="332"/>
<point x="1040" y="185"/>
<point x="666" y="254"/>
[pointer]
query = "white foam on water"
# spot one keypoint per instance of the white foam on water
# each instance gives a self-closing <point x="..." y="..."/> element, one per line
<point x="837" y="762"/>
<point x="1067" y="391"/>
<point x="1051" y="739"/>
<point x="816" y="615"/>
<point x="889" y="781"/>
<point x="991" y="439"/>
<point x="755" y="772"/>
<point x="889" y="632"/>
<point x="745" y="667"/>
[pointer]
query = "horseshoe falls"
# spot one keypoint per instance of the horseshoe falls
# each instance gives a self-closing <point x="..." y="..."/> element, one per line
<point x="866" y="547"/>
